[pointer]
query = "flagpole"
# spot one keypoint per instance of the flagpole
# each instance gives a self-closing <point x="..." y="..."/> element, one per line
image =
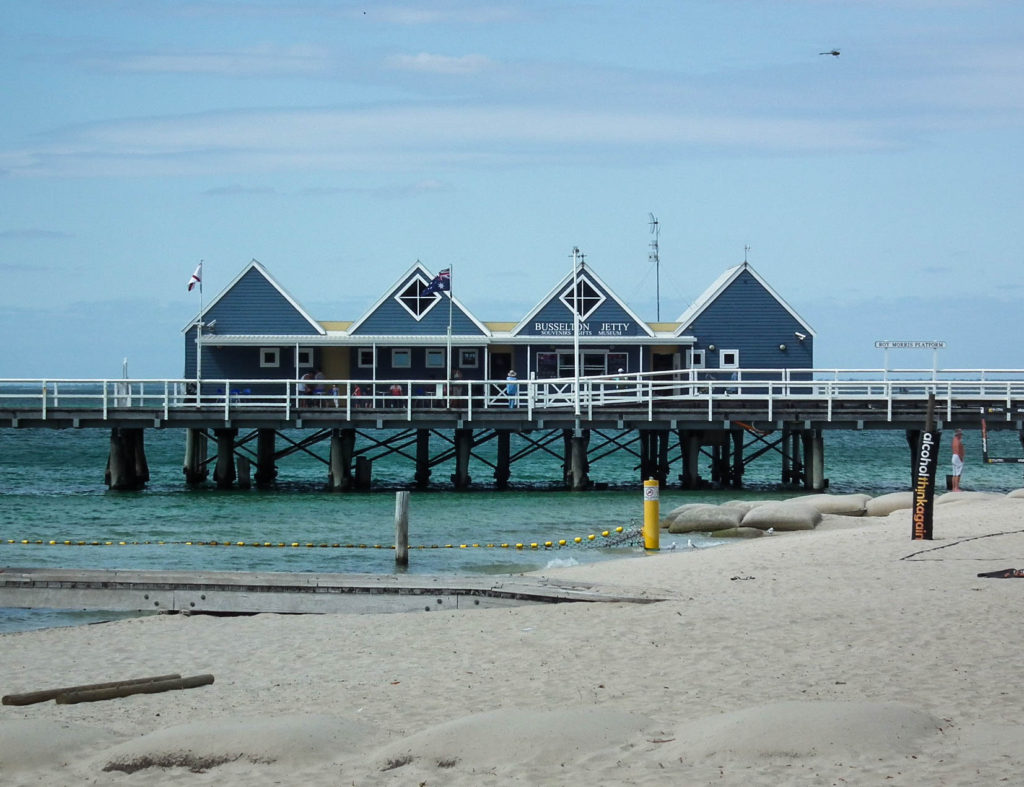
<point x="576" y="328"/>
<point x="199" y="336"/>
<point x="450" y="297"/>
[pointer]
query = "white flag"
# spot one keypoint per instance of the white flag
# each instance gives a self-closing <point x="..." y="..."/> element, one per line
<point x="197" y="278"/>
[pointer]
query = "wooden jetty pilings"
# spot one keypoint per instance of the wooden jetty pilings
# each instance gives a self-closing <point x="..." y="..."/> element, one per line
<point x="690" y="434"/>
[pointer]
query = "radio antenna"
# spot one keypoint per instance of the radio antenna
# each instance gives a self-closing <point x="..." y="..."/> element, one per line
<point x="653" y="257"/>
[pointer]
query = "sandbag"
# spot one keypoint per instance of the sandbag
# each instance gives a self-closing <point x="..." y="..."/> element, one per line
<point x="786" y="515"/>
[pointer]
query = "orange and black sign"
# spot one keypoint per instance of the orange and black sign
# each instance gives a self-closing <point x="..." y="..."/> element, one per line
<point x="925" y="461"/>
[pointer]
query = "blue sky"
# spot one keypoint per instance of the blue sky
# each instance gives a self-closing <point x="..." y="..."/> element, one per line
<point x="880" y="192"/>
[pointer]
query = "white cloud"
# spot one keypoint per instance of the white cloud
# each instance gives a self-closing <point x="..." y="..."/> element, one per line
<point x="439" y="64"/>
<point x="400" y="136"/>
<point x="297" y="60"/>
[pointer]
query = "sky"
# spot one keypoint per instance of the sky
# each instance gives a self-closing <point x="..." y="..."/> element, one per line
<point x="880" y="192"/>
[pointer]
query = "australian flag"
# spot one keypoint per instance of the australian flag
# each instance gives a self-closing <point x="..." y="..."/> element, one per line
<point x="441" y="282"/>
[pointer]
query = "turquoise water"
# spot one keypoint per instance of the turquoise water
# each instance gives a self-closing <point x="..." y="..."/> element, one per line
<point x="52" y="489"/>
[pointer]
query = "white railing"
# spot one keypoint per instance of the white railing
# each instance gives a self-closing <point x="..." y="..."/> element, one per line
<point x="707" y="390"/>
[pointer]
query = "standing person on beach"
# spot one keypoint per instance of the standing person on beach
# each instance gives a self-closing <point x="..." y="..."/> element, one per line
<point x="958" y="458"/>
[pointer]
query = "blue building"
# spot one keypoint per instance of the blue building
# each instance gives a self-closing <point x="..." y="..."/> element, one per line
<point x="255" y="330"/>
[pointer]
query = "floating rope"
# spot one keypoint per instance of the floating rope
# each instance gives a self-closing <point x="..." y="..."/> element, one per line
<point x="616" y="537"/>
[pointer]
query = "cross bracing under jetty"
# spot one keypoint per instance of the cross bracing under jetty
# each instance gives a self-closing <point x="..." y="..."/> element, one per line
<point x="653" y="419"/>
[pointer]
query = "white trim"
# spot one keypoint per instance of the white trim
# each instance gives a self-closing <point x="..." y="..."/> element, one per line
<point x="555" y="292"/>
<point x="696" y="358"/>
<point x="434" y="298"/>
<point x="567" y="292"/>
<point x="396" y="352"/>
<point x="309" y="352"/>
<point x="359" y="357"/>
<point x="439" y="352"/>
<point x="734" y="364"/>
<point x="272" y="362"/>
<point x="417" y="268"/>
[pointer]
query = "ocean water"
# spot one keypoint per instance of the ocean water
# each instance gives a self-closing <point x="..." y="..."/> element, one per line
<point x="52" y="490"/>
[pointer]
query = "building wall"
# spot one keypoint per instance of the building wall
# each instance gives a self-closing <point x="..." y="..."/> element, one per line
<point x="462" y="361"/>
<point x="746" y="317"/>
<point x="254" y="305"/>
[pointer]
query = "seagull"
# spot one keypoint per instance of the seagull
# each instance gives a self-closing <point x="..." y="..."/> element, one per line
<point x="690" y="544"/>
<point x="833" y="52"/>
<point x="769" y="531"/>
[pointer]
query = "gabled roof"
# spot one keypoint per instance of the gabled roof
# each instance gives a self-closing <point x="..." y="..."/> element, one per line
<point x="400" y="285"/>
<point x="258" y="267"/>
<point x="566" y="281"/>
<point x="720" y="285"/>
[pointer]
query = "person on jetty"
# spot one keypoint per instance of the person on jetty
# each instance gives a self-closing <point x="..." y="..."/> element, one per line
<point x="305" y="389"/>
<point x="958" y="459"/>
<point x="512" y="389"/>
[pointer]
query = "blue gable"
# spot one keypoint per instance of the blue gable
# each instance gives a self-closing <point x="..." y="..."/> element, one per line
<point x="602" y="313"/>
<point x="404" y="311"/>
<point x="748" y="318"/>
<point x="255" y="305"/>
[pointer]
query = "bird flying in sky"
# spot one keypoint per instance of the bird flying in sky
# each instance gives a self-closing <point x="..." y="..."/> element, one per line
<point x="833" y="52"/>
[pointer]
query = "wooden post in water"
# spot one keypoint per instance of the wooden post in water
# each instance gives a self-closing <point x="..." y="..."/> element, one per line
<point x="224" y="471"/>
<point x="401" y="528"/>
<point x="266" y="471"/>
<point x="195" y="456"/>
<point x="463" y="451"/>
<point x="690" y="439"/>
<point x="422" y="458"/>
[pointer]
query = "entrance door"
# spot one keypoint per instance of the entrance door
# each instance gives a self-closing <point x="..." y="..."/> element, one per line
<point x="501" y="364"/>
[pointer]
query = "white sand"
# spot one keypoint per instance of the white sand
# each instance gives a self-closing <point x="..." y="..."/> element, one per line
<point x="801" y="658"/>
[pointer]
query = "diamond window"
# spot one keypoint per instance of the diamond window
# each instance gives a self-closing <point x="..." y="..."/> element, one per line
<point x="413" y="299"/>
<point x="588" y="297"/>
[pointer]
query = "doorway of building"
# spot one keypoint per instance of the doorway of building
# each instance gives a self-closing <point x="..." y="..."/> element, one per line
<point x="501" y="363"/>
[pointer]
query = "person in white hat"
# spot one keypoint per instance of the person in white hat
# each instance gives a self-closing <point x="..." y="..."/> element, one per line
<point x="512" y="388"/>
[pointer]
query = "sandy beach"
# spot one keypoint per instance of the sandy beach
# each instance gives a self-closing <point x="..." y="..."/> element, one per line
<point x="847" y="654"/>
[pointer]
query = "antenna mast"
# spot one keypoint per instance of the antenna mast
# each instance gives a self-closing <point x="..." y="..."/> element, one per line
<point x="653" y="257"/>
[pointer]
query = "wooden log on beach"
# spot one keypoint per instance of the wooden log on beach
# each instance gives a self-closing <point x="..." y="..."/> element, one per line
<point x="32" y="697"/>
<point x="152" y="687"/>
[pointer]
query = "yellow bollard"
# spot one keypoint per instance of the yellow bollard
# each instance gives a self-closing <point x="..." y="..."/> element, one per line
<point x="651" y="527"/>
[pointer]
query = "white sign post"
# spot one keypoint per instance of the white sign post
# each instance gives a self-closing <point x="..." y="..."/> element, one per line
<point x="934" y="346"/>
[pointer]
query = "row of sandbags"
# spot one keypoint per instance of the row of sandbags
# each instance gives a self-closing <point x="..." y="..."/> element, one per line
<point x="751" y="518"/>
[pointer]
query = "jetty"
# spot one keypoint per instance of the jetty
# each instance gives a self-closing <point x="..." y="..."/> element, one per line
<point x="672" y="424"/>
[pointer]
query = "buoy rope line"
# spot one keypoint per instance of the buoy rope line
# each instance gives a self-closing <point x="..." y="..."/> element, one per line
<point x="616" y="537"/>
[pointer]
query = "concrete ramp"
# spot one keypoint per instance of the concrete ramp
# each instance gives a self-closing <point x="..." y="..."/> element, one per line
<point x="250" y="592"/>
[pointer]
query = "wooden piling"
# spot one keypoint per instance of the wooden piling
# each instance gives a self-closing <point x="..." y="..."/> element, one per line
<point x="422" y="475"/>
<point x="503" y="469"/>
<point x="194" y="467"/>
<point x="224" y="472"/>
<point x="402" y="528"/>
<point x="463" y="450"/>
<point x="266" y="470"/>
